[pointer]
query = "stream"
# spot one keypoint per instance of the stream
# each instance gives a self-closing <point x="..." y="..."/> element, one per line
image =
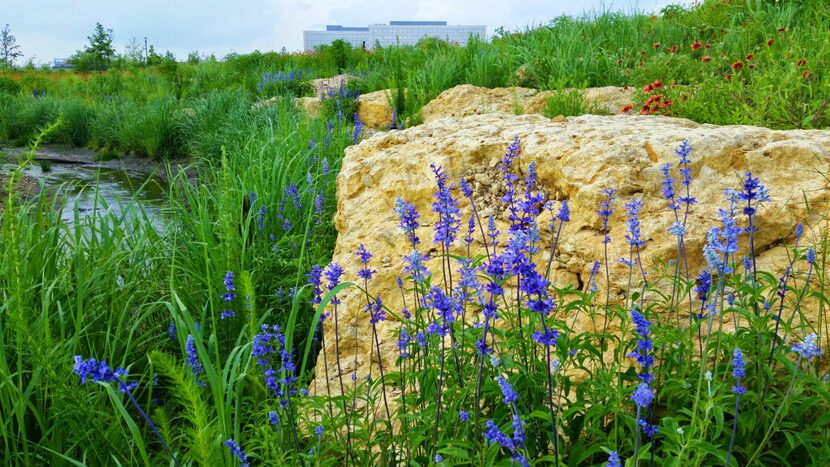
<point x="119" y="186"/>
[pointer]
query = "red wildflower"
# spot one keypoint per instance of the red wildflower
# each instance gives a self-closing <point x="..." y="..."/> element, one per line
<point x="619" y="62"/>
<point x="627" y="108"/>
<point x="707" y="46"/>
<point x="673" y="49"/>
<point x="706" y="58"/>
<point x="805" y="74"/>
<point x="642" y="53"/>
<point x="750" y="56"/>
<point x="657" y="84"/>
<point x="644" y="110"/>
<point x="673" y="84"/>
<point x="801" y="62"/>
<point x="737" y="65"/>
<point x="667" y="103"/>
<point x="751" y="66"/>
<point x="782" y="30"/>
<point x="656" y="45"/>
<point x="770" y="42"/>
<point x="648" y="88"/>
<point x="696" y="45"/>
<point x="727" y="77"/>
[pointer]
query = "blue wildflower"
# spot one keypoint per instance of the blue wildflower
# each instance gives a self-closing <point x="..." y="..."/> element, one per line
<point x="408" y="217"/>
<point x="753" y="191"/>
<point x="605" y="211"/>
<point x="228" y="296"/>
<point x="414" y="266"/>
<point x="643" y="395"/>
<point x="293" y="193"/>
<point x="494" y="435"/>
<point x="807" y="348"/>
<point x="447" y="209"/>
<point x="237" y="451"/>
<point x="315" y="280"/>
<point x="633" y="209"/>
<point x="358" y="129"/>
<point x="613" y="460"/>
<point x="492" y="232"/>
<point x="98" y="371"/>
<point x="364" y="273"/>
<point x="193" y="362"/>
<point x="404" y="339"/>
<point x="738" y="371"/>
<point x="318" y="430"/>
<point x="644" y="345"/>
<point x="464" y="416"/>
<point x="548" y="337"/>
<point x="332" y="274"/>
<point x="564" y="214"/>
<point x="510" y="395"/>
<point x="703" y="284"/>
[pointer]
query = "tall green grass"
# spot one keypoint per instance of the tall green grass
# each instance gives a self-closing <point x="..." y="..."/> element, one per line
<point x="109" y="284"/>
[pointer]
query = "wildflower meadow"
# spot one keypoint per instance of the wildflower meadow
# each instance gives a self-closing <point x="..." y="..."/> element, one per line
<point x="217" y="333"/>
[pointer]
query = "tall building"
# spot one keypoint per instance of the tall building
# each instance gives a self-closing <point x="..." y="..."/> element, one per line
<point x="396" y="32"/>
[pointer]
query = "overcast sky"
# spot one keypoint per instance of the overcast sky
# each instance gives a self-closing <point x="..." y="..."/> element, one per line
<point x="47" y="29"/>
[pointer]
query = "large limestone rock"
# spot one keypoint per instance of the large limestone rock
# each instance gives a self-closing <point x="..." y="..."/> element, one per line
<point x="467" y="99"/>
<point x="576" y="159"/>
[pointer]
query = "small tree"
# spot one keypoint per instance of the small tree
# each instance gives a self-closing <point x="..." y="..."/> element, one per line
<point x="98" y="54"/>
<point x="134" y="52"/>
<point x="9" y="50"/>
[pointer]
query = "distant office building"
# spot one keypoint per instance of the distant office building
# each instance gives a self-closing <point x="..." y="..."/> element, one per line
<point x="61" y="64"/>
<point x="396" y="32"/>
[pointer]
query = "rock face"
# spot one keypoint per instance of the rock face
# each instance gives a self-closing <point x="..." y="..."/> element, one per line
<point x="467" y="99"/>
<point x="576" y="159"/>
<point x="375" y="108"/>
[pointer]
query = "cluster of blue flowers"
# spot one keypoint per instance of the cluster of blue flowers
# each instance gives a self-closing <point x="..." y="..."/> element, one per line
<point x="268" y="342"/>
<point x="228" y="296"/>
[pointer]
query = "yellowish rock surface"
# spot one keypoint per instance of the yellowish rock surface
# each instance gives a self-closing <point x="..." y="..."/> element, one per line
<point x="576" y="159"/>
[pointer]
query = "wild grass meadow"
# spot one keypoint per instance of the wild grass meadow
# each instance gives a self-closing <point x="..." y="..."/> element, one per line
<point x="191" y="339"/>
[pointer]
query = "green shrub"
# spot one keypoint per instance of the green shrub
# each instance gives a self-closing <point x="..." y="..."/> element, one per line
<point x="9" y="86"/>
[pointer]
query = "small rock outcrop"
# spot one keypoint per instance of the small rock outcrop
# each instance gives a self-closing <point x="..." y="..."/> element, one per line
<point x="375" y="109"/>
<point x="325" y="86"/>
<point x="576" y="159"/>
<point x="466" y="99"/>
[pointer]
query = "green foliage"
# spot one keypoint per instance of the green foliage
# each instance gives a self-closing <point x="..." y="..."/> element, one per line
<point x="98" y="54"/>
<point x="568" y="102"/>
<point x="9" y="86"/>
